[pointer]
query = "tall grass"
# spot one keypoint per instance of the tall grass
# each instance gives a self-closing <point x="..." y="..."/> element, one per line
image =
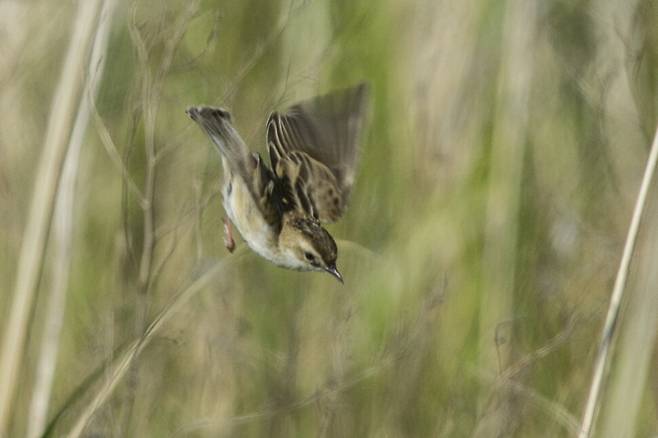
<point x="46" y="182"/>
<point x="635" y="357"/>
<point x="63" y="230"/>
<point x="498" y="177"/>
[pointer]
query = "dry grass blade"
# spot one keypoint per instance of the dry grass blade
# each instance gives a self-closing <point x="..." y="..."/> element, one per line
<point x="631" y="371"/>
<point x="63" y="231"/>
<point x="46" y="182"/>
<point x="607" y="334"/>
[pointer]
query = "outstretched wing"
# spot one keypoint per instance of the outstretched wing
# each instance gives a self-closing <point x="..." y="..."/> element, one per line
<point x="313" y="149"/>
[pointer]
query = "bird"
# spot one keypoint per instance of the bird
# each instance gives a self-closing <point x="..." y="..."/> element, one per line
<point x="280" y="208"/>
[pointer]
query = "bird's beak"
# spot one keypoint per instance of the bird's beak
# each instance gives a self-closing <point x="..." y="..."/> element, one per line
<point x="333" y="271"/>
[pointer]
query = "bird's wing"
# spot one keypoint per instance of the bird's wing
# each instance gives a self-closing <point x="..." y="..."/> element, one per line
<point x="313" y="148"/>
<point x="249" y="166"/>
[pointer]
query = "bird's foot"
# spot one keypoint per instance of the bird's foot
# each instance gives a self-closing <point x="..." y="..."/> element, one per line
<point x="229" y="243"/>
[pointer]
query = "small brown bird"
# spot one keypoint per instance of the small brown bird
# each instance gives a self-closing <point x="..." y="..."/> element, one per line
<point x="278" y="209"/>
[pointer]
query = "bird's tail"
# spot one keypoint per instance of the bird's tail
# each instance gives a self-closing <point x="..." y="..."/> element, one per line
<point x="217" y="124"/>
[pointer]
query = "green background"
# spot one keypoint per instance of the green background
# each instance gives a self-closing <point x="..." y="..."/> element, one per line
<point x="504" y="151"/>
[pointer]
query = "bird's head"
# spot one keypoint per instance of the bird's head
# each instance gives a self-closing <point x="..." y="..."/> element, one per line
<point x="308" y="246"/>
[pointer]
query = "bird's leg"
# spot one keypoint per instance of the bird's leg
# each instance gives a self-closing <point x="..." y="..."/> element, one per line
<point x="228" y="236"/>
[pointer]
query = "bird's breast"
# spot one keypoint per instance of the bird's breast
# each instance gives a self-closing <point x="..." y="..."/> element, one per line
<point x="248" y="219"/>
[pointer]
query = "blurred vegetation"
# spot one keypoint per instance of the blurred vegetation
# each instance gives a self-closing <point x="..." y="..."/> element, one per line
<point x="505" y="148"/>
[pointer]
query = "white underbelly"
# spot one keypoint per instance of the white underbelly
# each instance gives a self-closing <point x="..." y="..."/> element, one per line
<point x="247" y="218"/>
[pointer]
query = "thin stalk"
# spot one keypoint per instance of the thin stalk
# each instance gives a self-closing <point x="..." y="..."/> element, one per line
<point x="609" y="328"/>
<point x="63" y="234"/>
<point x="632" y="366"/>
<point x="46" y="183"/>
<point x="151" y="94"/>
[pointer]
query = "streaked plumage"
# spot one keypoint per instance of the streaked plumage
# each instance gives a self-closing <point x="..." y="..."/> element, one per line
<point x="313" y="150"/>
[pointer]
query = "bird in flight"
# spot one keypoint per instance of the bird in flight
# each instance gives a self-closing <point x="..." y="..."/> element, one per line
<point x="279" y="208"/>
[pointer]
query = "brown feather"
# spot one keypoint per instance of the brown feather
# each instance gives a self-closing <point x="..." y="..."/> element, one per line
<point x="321" y="137"/>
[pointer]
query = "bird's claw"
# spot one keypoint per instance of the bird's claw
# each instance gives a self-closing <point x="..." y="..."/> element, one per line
<point x="229" y="243"/>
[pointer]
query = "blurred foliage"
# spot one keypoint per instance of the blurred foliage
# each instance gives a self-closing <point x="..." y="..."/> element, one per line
<point x="396" y="351"/>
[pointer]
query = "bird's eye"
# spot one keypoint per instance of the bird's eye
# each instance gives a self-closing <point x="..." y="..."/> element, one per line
<point x="310" y="257"/>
